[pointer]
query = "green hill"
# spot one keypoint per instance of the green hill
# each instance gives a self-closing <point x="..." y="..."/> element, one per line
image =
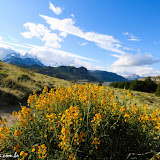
<point x="105" y="76"/>
<point x="64" y="72"/>
<point x="17" y="83"/>
<point x="78" y="74"/>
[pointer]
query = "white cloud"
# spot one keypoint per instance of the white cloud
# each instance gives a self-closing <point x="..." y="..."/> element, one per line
<point x="54" y="57"/>
<point x="4" y="43"/>
<point x="63" y="34"/>
<point x="56" y="10"/>
<point x="43" y="33"/>
<point x="83" y="44"/>
<point x="34" y="30"/>
<point x="134" y="63"/>
<point x="72" y="15"/>
<point x="129" y="60"/>
<point x="122" y="70"/>
<point x="47" y="54"/>
<point x="7" y="49"/>
<point x="111" y="47"/>
<point x="147" y="71"/>
<point x="139" y="70"/>
<point x="126" y="33"/>
<point x="128" y="48"/>
<point x="67" y="25"/>
<point x="131" y="36"/>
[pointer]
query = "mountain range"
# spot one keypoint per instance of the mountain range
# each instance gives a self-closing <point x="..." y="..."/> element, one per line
<point x="18" y="59"/>
<point x="63" y="72"/>
<point x="132" y="77"/>
<point x="105" y="76"/>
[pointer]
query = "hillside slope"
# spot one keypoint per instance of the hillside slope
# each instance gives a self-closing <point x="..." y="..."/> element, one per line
<point x="64" y="72"/>
<point x="17" y="83"/>
<point x="105" y="76"/>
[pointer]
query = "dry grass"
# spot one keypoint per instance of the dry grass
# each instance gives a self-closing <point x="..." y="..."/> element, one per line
<point x="21" y="82"/>
<point x="16" y="84"/>
<point x="142" y="98"/>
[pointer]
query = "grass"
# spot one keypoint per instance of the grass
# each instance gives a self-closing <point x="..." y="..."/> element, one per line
<point x="142" y="98"/>
<point x="16" y="84"/>
<point x="20" y="82"/>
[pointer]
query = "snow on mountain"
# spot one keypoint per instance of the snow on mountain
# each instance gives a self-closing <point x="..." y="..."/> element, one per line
<point x="18" y="59"/>
<point x="133" y="76"/>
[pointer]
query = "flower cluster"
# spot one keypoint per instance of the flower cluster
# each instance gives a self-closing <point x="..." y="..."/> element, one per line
<point x="81" y="122"/>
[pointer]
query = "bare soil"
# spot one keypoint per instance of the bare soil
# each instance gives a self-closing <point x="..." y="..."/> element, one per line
<point x="6" y="112"/>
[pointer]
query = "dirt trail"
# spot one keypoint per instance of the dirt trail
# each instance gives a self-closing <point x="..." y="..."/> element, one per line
<point x="6" y="112"/>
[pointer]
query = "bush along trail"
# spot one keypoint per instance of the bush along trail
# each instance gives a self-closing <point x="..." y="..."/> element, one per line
<point x="82" y="122"/>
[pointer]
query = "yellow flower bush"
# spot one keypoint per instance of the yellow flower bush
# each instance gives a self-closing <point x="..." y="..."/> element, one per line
<point x="82" y="122"/>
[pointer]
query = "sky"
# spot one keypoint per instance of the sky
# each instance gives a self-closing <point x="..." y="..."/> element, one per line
<point x="111" y="35"/>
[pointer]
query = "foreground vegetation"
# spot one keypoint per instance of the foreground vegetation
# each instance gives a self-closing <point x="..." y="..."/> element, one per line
<point x="82" y="122"/>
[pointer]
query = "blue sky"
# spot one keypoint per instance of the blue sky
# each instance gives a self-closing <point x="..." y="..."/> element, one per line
<point x="112" y="35"/>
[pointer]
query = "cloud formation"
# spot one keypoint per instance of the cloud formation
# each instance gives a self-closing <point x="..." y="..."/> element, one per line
<point x="67" y="26"/>
<point x="139" y="70"/>
<point x="43" y="33"/>
<point x="134" y="63"/>
<point x="83" y="44"/>
<point x="7" y="49"/>
<point x="4" y="43"/>
<point x="130" y="60"/>
<point x="56" y="10"/>
<point x="131" y="36"/>
<point x="147" y="71"/>
<point x="53" y="57"/>
<point x="47" y="54"/>
<point x="50" y="56"/>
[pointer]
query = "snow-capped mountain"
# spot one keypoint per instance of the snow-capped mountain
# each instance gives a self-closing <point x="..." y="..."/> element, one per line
<point x="18" y="59"/>
<point x="132" y="76"/>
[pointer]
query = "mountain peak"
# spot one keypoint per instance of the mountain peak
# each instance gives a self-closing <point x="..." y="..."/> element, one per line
<point x="133" y="76"/>
<point x="18" y="59"/>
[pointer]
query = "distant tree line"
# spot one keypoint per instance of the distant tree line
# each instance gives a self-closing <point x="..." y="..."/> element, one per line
<point x="144" y="86"/>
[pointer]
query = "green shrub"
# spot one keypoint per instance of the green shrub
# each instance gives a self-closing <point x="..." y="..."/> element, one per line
<point x="127" y="85"/>
<point x="158" y="90"/>
<point x="137" y="85"/>
<point x="23" y="77"/>
<point x="114" y="84"/>
<point x="150" y="86"/>
<point x="25" y="70"/>
<point x="121" y="85"/>
<point x="3" y="74"/>
<point x="144" y="86"/>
